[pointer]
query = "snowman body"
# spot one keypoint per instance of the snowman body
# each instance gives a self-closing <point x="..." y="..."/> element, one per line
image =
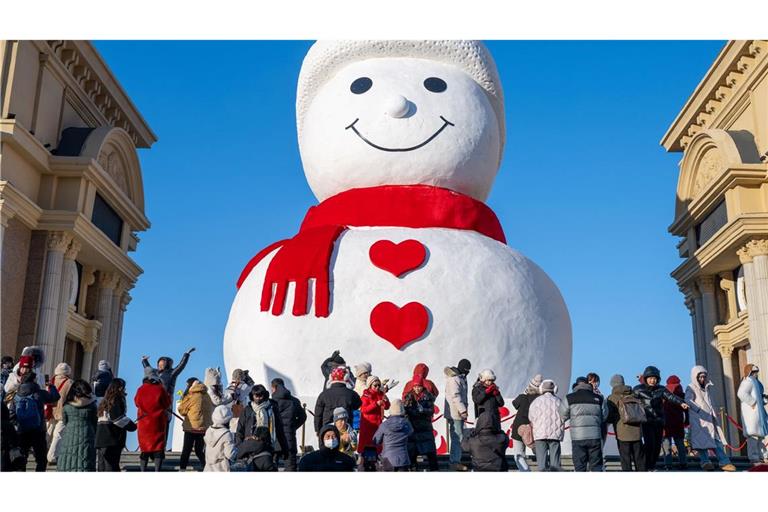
<point x="486" y="302"/>
<point x="373" y="114"/>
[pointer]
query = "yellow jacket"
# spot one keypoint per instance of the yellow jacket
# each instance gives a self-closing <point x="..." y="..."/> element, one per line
<point x="196" y="407"/>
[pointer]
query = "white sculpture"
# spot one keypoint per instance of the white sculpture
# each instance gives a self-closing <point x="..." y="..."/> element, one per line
<point x="418" y="126"/>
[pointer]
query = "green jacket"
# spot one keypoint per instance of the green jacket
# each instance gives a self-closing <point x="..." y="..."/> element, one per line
<point x="77" y="451"/>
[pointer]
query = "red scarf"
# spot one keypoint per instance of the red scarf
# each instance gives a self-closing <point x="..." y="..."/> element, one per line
<point x="307" y="255"/>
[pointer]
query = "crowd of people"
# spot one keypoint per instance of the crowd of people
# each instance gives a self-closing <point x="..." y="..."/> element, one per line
<point x="81" y="425"/>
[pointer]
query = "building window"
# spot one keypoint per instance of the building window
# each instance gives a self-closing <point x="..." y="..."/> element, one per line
<point x="107" y="220"/>
<point x="711" y="224"/>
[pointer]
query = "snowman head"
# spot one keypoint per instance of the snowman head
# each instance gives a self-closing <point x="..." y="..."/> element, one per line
<point x="373" y="113"/>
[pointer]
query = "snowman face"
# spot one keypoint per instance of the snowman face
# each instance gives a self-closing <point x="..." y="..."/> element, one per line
<point x="400" y="121"/>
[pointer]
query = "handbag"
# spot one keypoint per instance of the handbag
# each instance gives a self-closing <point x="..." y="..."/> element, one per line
<point x="525" y="432"/>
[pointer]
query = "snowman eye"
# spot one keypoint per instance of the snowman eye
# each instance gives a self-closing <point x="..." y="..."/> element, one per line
<point x="434" y="84"/>
<point x="361" y="85"/>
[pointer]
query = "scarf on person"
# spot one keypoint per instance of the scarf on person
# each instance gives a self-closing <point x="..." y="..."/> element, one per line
<point x="265" y="417"/>
<point x="307" y="255"/>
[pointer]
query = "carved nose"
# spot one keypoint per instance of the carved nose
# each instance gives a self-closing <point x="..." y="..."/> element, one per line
<point x="396" y="106"/>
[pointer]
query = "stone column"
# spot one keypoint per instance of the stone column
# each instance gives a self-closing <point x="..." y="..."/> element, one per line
<point x="714" y="362"/>
<point x="87" y="279"/>
<point x="117" y="296"/>
<point x="107" y="282"/>
<point x="88" y="350"/>
<point x="691" y="294"/>
<point x="730" y="394"/>
<point x="125" y="300"/>
<point x="47" y="323"/>
<point x="757" y="301"/>
<point x="66" y="284"/>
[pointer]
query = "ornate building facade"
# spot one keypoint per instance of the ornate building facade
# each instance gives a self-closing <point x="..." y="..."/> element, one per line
<point x="72" y="202"/>
<point x="721" y="215"/>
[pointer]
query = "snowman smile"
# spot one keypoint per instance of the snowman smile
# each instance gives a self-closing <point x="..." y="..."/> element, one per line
<point x="382" y="148"/>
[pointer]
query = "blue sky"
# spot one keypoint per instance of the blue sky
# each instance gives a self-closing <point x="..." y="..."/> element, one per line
<point x="585" y="190"/>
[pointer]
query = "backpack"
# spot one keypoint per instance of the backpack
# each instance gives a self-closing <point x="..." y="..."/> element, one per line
<point x="632" y="411"/>
<point x="27" y="410"/>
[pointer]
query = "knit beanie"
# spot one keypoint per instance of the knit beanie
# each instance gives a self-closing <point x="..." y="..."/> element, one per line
<point x="533" y="385"/>
<point x="326" y="58"/>
<point x="370" y="380"/>
<point x="26" y="362"/>
<point x="464" y="366"/>
<point x="340" y="413"/>
<point x="63" y="369"/>
<point x="396" y="407"/>
<point x="363" y="367"/>
<point x="338" y="374"/>
<point x="487" y="374"/>
<point x="651" y="371"/>
<point x="617" y="380"/>
<point x="104" y="366"/>
<point x="238" y="374"/>
<point x="548" y="386"/>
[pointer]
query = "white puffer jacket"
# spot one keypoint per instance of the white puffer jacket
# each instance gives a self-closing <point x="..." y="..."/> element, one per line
<point x="545" y="418"/>
<point x="220" y="448"/>
<point x="703" y="418"/>
<point x="753" y="410"/>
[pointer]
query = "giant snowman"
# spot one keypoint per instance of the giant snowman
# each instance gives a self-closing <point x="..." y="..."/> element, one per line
<point x="401" y="261"/>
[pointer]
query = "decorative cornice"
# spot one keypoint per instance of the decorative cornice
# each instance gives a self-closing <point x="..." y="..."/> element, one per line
<point x="73" y="250"/>
<point x="93" y="78"/>
<point x="733" y="67"/>
<point x="58" y="241"/>
<point x="757" y="247"/>
<point x="13" y="203"/>
<point x="108" y="280"/>
<point x="706" y="284"/>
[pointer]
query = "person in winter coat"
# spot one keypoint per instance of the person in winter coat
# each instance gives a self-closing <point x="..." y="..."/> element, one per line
<point x="487" y="445"/>
<point x="256" y="452"/>
<point x="628" y="436"/>
<point x="393" y="435"/>
<point x="6" y="367"/>
<point x="261" y="412"/>
<point x="521" y="404"/>
<point x="26" y="413"/>
<point x="31" y="361"/>
<point x="374" y="403"/>
<point x="753" y="414"/>
<point x="330" y="364"/>
<point x="347" y="435"/>
<point x="238" y="394"/>
<point x="337" y="395"/>
<point x="216" y="390"/>
<point x="706" y="430"/>
<point x="456" y="409"/>
<point x="196" y="407"/>
<point x="653" y="397"/>
<point x="78" y="440"/>
<point x="327" y="457"/>
<point x="102" y="378"/>
<point x="168" y="375"/>
<point x="152" y="403"/>
<point x="112" y="427"/>
<point x="419" y="405"/>
<point x="62" y="382"/>
<point x="587" y="411"/>
<point x="220" y="447"/>
<point x="486" y="396"/>
<point x="675" y="419"/>
<point x="422" y="370"/>
<point x="547" y="426"/>
<point x="293" y="417"/>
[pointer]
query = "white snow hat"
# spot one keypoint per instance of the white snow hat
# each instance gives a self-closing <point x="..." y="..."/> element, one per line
<point x="396" y="407"/>
<point x="364" y="367"/>
<point x="487" y="374"/>
<point x="221" y="415"/>
<point x="325" y="58"/>
<point x="62" y="369"/>
<point x="370" y="380"/>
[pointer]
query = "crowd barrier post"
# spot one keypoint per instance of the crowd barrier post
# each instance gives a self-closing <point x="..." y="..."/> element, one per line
<point x="303" y="430"/>
<point x="723" y="423"/>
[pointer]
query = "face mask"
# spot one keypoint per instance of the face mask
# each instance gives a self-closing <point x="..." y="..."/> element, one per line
<point x="331" y="444"/>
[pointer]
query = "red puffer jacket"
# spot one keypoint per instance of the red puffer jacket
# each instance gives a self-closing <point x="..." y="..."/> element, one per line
<point x="371" y="416"/>
<point x="423" y="370"/>
<point x="675" y="418"/>
<point x="152" y="402"/>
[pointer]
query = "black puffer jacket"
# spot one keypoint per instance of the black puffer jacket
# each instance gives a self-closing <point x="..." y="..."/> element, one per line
<point x="291" y="410"/>
<point x="485" y="402"/>
<point x="653" y="398"/>
<point x="169" y="374"/>
<point x="337" y="395"/>
<point x="419" y="411"/>
<point x="521" y="404"/>
<point x="327" y="459"/>
<point x="486" y="445"/>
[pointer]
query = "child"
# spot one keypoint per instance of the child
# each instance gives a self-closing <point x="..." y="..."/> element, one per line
<point x="348" y="437"/>
<point x="220" y="449"/>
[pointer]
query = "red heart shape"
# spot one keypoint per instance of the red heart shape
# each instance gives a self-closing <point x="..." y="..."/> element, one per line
<point x="397" y="259"/>
<point x="399" y="326"/>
